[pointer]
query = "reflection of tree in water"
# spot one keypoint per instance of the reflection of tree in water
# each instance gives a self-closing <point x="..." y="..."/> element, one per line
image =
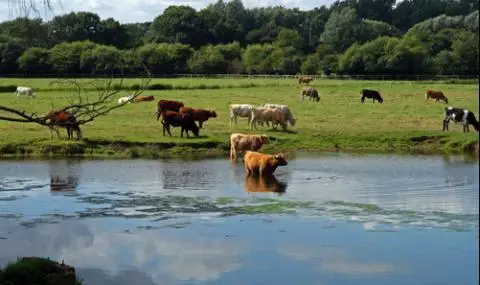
<point x="264" y="184"/>
<point x="458" y="170"/>
<point x="64" y="176"/>
<point x="186" y="176"/>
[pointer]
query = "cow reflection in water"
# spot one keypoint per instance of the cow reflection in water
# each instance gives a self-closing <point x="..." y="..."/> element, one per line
<point x="266" y="183"/>
<point x="63" y="177"/>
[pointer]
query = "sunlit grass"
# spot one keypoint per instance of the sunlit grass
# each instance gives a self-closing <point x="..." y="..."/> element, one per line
<point x="339" y="120"/>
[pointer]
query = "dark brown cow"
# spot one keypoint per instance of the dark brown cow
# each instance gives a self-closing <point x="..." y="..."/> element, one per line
<point x="63" y="119"/>
<point x="175" y="119"/>
<point x="199" y="115"/>
<point x="168" y="105"/>
<point x="437" y="95"/>
<point x="371" y="94"/>
<point x="139" y="99"/>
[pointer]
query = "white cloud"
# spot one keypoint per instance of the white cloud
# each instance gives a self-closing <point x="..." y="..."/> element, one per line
<point x="146" y="10"/>
<point x="336" y="260"/>
<point x="159" y="257"/>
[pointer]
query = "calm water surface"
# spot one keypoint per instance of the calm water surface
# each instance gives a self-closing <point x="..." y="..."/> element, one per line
<point x="329" y="219"/>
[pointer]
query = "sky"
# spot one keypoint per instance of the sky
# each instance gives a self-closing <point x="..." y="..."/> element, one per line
<point x="131" y="11"/>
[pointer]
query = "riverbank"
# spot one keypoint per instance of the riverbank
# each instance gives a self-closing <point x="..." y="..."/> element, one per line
<point x="86" y="148"/>
<point x="405" y="122"/>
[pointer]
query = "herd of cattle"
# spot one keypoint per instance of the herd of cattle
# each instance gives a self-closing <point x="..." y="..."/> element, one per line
<point x="176" y="114"/>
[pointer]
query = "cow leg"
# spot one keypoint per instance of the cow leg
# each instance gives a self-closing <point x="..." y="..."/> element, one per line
<point x="200" y="124"/>
<point x="181" y="132"/>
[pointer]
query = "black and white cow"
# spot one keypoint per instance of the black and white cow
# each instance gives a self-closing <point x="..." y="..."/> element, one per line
<point x="371" y="94"/>
<point x="459" y="115"/>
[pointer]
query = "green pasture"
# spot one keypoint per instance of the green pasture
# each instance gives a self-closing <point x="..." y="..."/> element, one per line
<point x="339" y="121"/>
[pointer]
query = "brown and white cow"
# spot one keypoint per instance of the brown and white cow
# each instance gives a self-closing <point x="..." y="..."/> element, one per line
<point x="199" y="115"/>
<point x="310" y="92"/>
<point x="243" y="142"/>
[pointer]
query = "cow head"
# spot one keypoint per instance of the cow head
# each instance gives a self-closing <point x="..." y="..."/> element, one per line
<point x="280" y="159"/>
<point x="213" y="114"/>
<point x="380" y="99"/>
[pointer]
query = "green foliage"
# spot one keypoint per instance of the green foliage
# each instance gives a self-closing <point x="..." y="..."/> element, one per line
<point x="35" y="61"/>
<point x="430" y="37"/>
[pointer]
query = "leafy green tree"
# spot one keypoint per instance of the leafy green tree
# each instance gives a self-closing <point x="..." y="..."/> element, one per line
<point x="65" y="57"/>
<point x="342" y="29"/>
<point x="35" y="61"/>
<point x="10" y="51"/>
<point x="101" y="59"/>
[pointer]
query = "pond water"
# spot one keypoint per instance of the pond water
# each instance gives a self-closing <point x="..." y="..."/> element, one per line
<point x="324" y="219"/>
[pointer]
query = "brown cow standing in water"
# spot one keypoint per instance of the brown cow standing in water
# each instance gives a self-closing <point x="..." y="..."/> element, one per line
<point x="62" y="119"/>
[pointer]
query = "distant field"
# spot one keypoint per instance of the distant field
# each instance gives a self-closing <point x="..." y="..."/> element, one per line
<point x="339" y="120"/>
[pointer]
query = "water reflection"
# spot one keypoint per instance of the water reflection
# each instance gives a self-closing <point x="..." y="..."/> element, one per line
<point x="64" y="176"/>
<point x="264" y="184"/>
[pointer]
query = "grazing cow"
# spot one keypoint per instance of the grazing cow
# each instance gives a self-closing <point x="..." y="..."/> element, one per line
<point x="371" y="94"/>
<point x="176" y="119"/>
<point x="285" y="110"/>
<point x="267" y="114"/>
<point x="263" y="164"/>
<point x="63" y="119"/>
<point x="305" y="79"/>
<point x="200" y="115"/>
<point x="25" y="91"/>
<point x="139" y="99"/>
<point x="437" y="95"/>
<point x="263" y="184"/>
<point x="243" y="142"/>
<point x="240" y="110"/>
<point x="168" y="105"/>
<point x="128" y="99"/>
<point x="311" y="93"/>
<point x="459" y="115"/>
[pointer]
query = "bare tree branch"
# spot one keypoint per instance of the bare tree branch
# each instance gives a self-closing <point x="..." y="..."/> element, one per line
<point x="80" y="105"/>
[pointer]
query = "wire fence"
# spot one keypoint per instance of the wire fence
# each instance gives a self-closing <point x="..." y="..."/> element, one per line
<point x="379" y="77"/>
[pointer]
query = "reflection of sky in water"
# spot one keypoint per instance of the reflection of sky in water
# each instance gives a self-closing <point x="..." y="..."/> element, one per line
<point x="243" y="250"/>
<point x="190" y="221"/>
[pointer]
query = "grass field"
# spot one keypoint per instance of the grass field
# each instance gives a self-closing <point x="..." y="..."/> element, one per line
<point x="405" y="122"/>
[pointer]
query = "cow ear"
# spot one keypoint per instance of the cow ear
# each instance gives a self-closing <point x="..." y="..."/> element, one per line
<point x="446" y="109"/>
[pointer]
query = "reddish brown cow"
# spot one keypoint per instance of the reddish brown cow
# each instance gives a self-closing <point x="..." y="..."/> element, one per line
<point x="63" y="119"/>
<point x="199" y="115"/>
<point x="437" y="95"/>
<point x="175" y="119"/>
<point x="139" y="99"/>
<point x="168" y="105"/>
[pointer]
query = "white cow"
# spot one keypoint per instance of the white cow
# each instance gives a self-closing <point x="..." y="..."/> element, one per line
<point x="25" y="91"/>
<point x="122" y="100"/>
<point x="285" y="110"/>
<point x="240" y="110"/>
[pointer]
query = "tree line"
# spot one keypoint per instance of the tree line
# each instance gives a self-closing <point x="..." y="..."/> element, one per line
<point x="349" y="37"/>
